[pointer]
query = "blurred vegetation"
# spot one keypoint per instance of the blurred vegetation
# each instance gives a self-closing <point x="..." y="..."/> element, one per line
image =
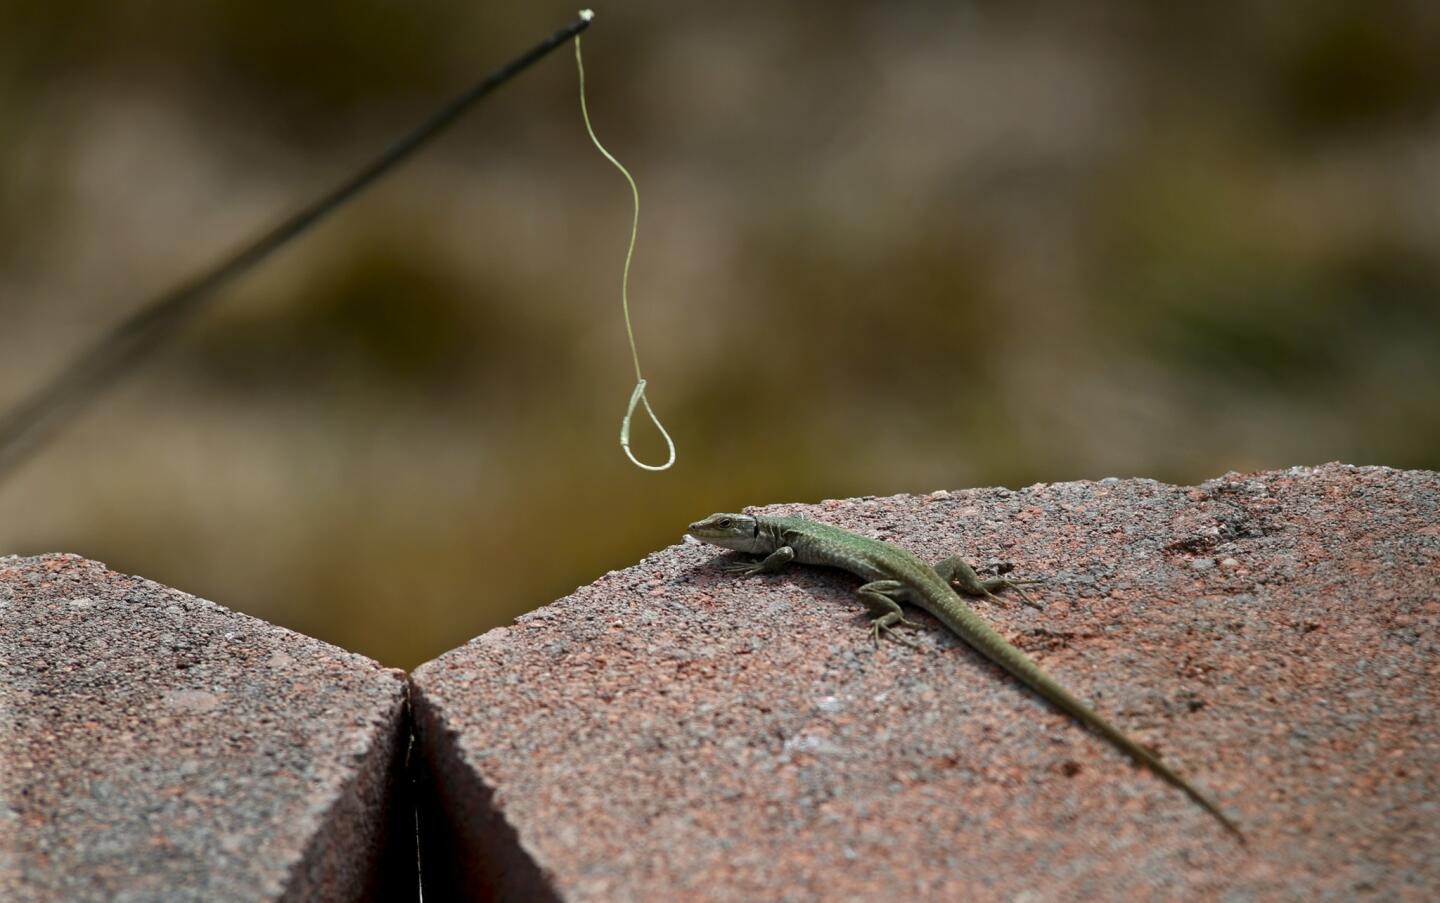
<point x="885" y="248"/>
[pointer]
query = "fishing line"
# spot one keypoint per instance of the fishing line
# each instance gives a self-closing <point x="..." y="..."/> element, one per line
<point x="637" y="397"/>
<point x="26" y="426"/>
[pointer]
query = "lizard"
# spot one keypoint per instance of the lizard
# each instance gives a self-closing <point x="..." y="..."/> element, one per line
<point x="894" y="575"/>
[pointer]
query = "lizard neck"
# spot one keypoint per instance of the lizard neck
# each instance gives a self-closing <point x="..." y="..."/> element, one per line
<point x="770" y="535"/>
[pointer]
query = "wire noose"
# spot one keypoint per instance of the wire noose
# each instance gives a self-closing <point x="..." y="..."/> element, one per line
<point x="637" y="397"/>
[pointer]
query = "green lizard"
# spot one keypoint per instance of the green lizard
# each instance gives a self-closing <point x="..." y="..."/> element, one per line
<point x="894" y="575"/>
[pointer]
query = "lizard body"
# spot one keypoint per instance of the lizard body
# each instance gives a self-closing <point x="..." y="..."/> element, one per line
<point x="894" y="575"/>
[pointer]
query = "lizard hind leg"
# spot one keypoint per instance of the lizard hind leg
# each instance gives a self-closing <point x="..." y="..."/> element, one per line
<point x="881" y="598"/>
<point x="956" y="572"/>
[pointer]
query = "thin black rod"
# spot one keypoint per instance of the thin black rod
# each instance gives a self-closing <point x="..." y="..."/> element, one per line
<point x="31" y="421"/>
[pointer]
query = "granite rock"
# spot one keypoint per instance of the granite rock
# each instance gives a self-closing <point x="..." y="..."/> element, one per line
<point x="157" y="746"/>
<point x="674" y="732"/>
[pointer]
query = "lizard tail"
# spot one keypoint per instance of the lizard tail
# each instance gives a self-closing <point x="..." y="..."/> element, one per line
<point x="969" y="627"/>
<point x="1141" y="755"/>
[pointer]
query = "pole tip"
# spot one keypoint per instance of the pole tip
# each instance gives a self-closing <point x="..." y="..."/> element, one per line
<point x="587" y="14"/>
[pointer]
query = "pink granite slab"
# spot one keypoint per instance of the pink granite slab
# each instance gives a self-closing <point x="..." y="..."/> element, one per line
<point x="672" y="732"/>
<point x="156" y="746"/>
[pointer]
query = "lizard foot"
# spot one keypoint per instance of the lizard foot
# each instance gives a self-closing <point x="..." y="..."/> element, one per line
<point x="741" y="568"/>
<point x="1024" y="596"/>
<point x="989" y="588"/>
<point x="884" y="627"/>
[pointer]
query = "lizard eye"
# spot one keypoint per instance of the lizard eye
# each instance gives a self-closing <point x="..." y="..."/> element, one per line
<point x="724" y="523"/>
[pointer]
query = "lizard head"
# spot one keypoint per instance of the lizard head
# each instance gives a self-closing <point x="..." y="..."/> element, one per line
<point x="740" y="532"/>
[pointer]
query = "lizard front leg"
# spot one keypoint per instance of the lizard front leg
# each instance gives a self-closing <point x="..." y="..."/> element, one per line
<point x="768" y="565"/>
<point x="961" y="576"/>
<point x="881" y="597"/>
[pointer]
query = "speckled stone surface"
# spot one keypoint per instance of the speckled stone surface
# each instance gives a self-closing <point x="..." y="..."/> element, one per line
<point x="672" y="732"/>
<point x="156" y="746"/>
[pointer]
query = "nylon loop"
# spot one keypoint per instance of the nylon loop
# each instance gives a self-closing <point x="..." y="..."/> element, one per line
<point x="638" y="396"/>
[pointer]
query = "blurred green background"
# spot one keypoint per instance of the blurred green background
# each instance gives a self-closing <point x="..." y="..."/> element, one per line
<point x="884" y="248"/>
